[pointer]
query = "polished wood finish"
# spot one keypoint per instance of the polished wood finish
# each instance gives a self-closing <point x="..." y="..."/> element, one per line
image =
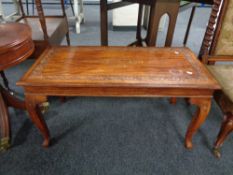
<point x="33" y="107"/>
<point x="46" y="30"/>
<point x="15" y="46"/>
<point x="202" y="112"/>
<point x="15" y="38"/>
<point x="118" y="72"/>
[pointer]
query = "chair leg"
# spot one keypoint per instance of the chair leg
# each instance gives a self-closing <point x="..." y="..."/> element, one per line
<point x="138" y="35"/>
<point x="173" y="100"/>
<point x="5" y="81"/>
<point x="189" y="25"/>
<point x="63" y="99"/>
<point x="68" y="38"/>
<point x="33" y="7"/>
<point x="226" y="129"/>
<point x="72" y="8"/>
<point x="27" y="5"/>
<point x="104" y="22"/>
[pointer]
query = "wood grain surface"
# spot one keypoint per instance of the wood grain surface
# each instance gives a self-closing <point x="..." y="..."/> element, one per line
<point x="118" y="66"/>
<point x="15" y="44"/>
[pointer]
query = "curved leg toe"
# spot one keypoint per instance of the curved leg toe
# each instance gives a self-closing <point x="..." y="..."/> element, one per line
<point x="202" y="112"/>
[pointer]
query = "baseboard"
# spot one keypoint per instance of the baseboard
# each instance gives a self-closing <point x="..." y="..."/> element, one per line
<point x="124" y="28"/>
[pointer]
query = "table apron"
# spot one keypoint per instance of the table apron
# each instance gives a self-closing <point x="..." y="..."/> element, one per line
<point x="118" y="91"/>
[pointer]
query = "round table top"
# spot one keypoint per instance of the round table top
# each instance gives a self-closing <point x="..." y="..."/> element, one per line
<point x="15" y="44"/>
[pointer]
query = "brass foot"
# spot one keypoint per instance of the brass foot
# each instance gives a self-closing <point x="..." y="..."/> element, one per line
<point x="44" y="107"/>
<point x="217" y="153"/>
<point x="4" y="144"/>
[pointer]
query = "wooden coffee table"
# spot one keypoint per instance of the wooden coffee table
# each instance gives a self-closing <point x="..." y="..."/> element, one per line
<point x="118" y="72"/>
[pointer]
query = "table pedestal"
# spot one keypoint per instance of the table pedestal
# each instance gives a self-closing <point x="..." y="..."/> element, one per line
<point x="7" y="100"/>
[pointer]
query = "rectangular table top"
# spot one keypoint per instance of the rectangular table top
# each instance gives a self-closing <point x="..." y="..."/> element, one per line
<point x="119" y="67"/>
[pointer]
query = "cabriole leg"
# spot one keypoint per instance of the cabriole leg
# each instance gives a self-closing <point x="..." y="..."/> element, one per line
<point x="226" y="129"/>
<point x="33" y="107"/>
<point x="198" y="119"/>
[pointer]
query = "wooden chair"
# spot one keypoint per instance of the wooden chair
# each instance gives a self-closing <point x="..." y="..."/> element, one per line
<point x="157" y="9"/>
<point x="46" y="30"/>
<point x="77" y="10"/>
<point x="33" y="5"/>
<point x="218" y="46"/>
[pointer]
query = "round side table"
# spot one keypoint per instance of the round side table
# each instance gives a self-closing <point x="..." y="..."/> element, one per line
<point x="16" y="45"/>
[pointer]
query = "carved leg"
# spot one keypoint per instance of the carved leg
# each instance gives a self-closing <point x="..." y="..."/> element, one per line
<point x="32" y="104"/>
<point x="173" y="100"/>
<point x="204" y="105"/>
<point x="4" y="125"/>
<point x="11" y="100"/>
<point x="226" y="129"/>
